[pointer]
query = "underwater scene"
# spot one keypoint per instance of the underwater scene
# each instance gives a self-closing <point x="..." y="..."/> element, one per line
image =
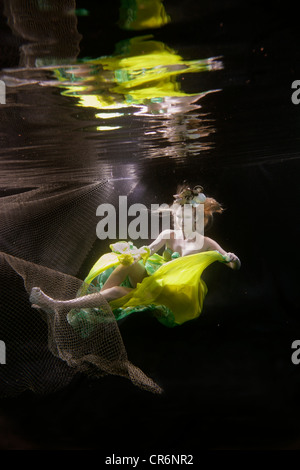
<point x="146" y="146"/>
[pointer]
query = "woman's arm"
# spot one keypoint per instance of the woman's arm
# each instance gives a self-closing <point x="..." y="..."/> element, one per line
<point x="210" y="244"/>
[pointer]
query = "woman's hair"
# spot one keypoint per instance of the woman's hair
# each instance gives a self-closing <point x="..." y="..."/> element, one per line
<point x="211" y="206"/>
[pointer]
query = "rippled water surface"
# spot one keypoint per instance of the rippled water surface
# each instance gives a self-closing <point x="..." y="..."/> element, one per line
<point x="154" y="100"/>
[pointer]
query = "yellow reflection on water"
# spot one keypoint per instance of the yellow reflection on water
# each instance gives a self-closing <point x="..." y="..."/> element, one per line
<point x="142" y="14"/>
<point x="107" y="128"/>
<point x="143" y="72"/>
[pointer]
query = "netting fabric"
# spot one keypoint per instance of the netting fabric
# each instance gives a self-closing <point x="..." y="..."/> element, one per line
<point x="46" y="235"/>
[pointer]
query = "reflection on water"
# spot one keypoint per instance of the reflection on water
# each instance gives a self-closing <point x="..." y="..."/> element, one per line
<point x="142" y="14"/>
<point x="49" y="29"/>
<point x="142" y="79"/>
<point x="141" y="73"/>
<point x="81" y="118"/>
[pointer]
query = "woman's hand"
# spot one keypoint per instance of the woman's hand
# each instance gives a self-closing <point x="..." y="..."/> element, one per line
<point x="142" y="253"/>
<point x="233" y="261"/>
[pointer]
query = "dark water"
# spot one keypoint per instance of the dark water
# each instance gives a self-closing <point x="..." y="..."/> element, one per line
<point x="205" y="97"/>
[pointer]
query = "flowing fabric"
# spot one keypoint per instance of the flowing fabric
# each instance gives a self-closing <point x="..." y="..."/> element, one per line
<point x="173" y="290"/>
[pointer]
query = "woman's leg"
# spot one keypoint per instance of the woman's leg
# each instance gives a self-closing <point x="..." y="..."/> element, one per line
<point x="115" y="292"/>
<point x="111" y="290"/>
<point x="39" y="299"/>
<point x="136" y="273"/>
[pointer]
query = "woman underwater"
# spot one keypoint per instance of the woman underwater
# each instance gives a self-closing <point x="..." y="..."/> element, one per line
<point x="170" y="286"/>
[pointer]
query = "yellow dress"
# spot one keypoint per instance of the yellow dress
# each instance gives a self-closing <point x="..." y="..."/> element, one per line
<point x="173" y="290"/>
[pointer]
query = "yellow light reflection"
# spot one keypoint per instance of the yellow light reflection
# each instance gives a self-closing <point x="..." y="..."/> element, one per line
<point x="108" y="115"/>
<point x="143" y="73"/>
<point x="107" y="128"/>
<point x="142" y="14"/>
